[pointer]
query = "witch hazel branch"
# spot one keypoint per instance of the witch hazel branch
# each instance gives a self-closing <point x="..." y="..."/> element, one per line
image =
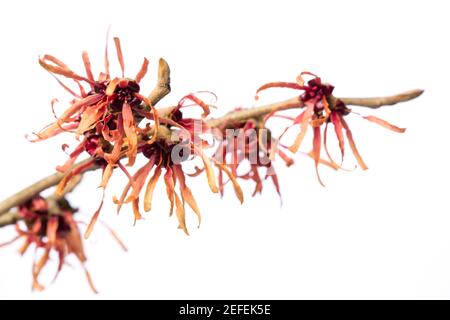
<point x="115" y="123"/>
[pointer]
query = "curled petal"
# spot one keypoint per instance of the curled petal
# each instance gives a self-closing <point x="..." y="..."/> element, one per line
<point x="37" y="268"/>
<point x="90" y="117"/>
<point x="75" y="171"/>
<point x="94" y="218"/>
<point x="385" y="124"/>
<point x="353" y="145"/>
<point x="180" y="214"/>
<point x="115" y="236"/>
<point x="150" y="188"/>
<point x="73" y="239"/>
<point x="209" y="170"/>
<point x="52" y="228"/>
<point x="58" y="67"/>
<point x="155" y="116"/>
<point x="197" y="172"/>
<point x="291" y="85"/>
<point x="170" y="188"/>
<point x="186" y="193"/>
<point x="87" y="66"/>
<point x="336" y="120"/>
<point x="303" y="120"/>
<point x="130" y="132"/>
<point x="120" y="55"/>
<point x="107" y="173"/>
<point x="273" y="175"/>
<point x="72" y="157"/>
<point x="139" y="179"/>
<point x="115" y="154"/>
<point x="77" y="105"/>
<point x="106" y="75"/>
<point x="89" y="280"/>
<point x="119" y="202"/>
<point x="199" y="102"/>
<point x="112" y="86"/>
<point x="137" y="214"/>
<point x="236" y="186"/>
<point x="317" y="145"/>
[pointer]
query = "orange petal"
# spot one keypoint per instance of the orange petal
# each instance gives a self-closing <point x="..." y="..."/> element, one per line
<point x="141" y="74"/>
<point x="89" y="118"/>
<point x="73" y="238"/>
<point x="236" y="186"/>
<point x="107" y="173"/>
<point x="52" y="228"/>
<point x="139" y="179"/>
<point x="199" y="102"/>
<point x="336" y="120"/>
<point x="332" y="163"/>
<point x="180" y="214"/>
<point x="150" y="188"/>
<point x="77" y="105"/>
<point x="37" y="268"/>
<point x="73" y="157"/>
<point x="326" y="105"/>
<point x="112" y="86"/>
<point x="119" y="202"/>
<point x="106" y="56"/>
<point x="120" y="55"/>
<point x="291" y="85"/>
<point x="94" y="218"/>
<point x="306" y="116"/>
<point x="90" y="282"/>
<point x="115" y="154"/>
<point x="317" y="145"/>
<point x="155" y="116"/>
<point x="186" y="193"/>
<point x="137" y="214"/>
<point x="75" y="171"/>
<point x="353" y="145"/>
<point x="130" y="132"/>
<point x="58" y="67"/>
<point x="168" y="180"/>
<point x="87" y="66"/>
<point x="209" y="170"/>
<point x="385" y="124"/>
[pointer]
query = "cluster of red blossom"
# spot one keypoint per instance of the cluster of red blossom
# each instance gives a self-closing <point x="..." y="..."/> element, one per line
<point x="115" y="121"/>
<point x="56" y="232"/>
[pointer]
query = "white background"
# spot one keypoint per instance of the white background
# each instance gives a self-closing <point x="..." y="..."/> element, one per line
<point x="383" y="233"/>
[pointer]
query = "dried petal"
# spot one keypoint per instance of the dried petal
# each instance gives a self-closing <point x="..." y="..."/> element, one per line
<point x="180" y="214"/>
<point x="209" y="170"/>
<point x="150" y="188"/>
<point x="236" y="186"/>
<point x="120" y="55"/>
<point x="142" y="72"/>
<point x="353" y="145"/>
<point x="385" y="124"/>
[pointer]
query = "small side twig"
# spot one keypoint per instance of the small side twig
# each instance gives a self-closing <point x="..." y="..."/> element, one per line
<point x="375" y="103"/>
<point x="162" y="87"/>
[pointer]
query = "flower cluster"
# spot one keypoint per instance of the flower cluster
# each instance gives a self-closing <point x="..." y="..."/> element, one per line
<point x="320" y="109"/>
<point x="50" y="227"/>
<point x="107" y="116"/>
<point x="249" y="142"/>
<point x="178" y="142"/>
